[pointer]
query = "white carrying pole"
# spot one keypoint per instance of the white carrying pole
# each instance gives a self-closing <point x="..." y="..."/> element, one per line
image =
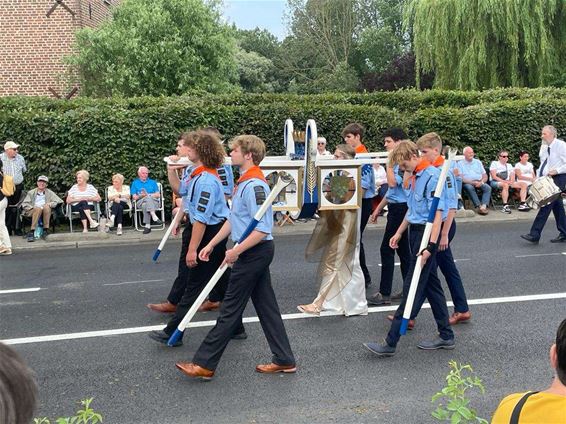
<point x="174" y="223"/>
<point x="424" y="243"/>
<point x="282" y="182"/>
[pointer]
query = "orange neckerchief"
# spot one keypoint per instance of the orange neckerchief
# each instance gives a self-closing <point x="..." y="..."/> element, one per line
<point x="201" y="169"/>
<point x="421" y="166"/>
<point x="438" y="162"/>
<point x="253" y="172"/>
<point x="361" y="149"/>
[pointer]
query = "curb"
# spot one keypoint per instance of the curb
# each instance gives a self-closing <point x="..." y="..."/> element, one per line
<point x="100" y="239"/>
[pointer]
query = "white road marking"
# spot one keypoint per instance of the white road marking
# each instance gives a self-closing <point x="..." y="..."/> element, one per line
<point x="538" y="254"/>
<point x="299" y="315"/>
<point x="134" y="282"/>
<point x="455" y="260"/>
<point x="33" y="289"/>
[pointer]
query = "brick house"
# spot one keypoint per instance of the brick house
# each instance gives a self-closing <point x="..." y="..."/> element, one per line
<point x="35" y="35"/>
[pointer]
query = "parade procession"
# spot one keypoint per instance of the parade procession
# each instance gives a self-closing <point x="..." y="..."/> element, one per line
<point x="282" y="211"/>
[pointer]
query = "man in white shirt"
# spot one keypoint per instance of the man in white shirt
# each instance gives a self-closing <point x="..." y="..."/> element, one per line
<point x="474" y="177"/>
<point x="553" y="163"/>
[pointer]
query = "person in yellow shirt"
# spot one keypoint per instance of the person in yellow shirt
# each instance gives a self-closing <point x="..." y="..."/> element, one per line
<point x="547" y="406"/>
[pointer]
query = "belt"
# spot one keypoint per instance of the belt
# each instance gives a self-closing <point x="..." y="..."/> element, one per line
<point x="417" y="226"/>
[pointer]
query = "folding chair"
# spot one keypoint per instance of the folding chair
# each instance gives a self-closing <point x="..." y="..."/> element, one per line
<point x="69" y="213"/>
<point x="159" y="211"/>
<point x="107" y="207"/>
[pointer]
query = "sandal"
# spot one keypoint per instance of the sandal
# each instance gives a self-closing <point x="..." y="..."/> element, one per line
<point x="311" y="309"/>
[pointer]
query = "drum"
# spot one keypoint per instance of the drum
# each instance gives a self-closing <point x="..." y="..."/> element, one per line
<point x="543" y="191"/>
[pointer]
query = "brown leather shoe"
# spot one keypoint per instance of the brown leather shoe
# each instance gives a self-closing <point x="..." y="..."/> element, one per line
<point x="165" y="307"/>
<point x="459" y="317"/>
<point x="273" y="368"/>
<point x="193" y="370"/>
<point x="207" y="305"/>
<point x="411" y="322"/>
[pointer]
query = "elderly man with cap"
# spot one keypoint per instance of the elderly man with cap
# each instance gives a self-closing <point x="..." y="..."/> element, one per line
<point x="145" y="192"/>
<point x="40" y="202"/>
<point x="13" y="164"/>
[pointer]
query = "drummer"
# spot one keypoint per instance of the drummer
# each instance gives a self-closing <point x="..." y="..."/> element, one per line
<point x="553" y="164"/>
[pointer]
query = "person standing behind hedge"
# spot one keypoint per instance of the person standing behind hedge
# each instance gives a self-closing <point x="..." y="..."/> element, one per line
<point x="145" y="193"/>
<point x="81" y="197"/>
<point x="119" y="198"/>
<point x="15" y="165"/>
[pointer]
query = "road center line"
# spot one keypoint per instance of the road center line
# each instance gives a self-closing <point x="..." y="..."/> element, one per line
<point x="134" y="282"/>
<point x="539" y="254"/>
<point x="211" y="323"/>
<point x="33" y="289"/>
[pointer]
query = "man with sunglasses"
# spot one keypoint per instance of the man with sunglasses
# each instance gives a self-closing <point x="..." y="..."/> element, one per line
<point x="503" y="178"/>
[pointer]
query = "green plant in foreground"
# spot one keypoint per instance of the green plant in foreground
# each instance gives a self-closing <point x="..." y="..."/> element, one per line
<point x="83" y="416"/>
<point x="456" y="409"/>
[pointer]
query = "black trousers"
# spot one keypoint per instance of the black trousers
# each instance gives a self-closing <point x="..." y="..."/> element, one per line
<point x="180" y="284"/>
<point x="366" y="212"/>
<point x="80" y="208"/>
<point x="117" y="209"/>
<point x="198" y="277"/>
<point x="395" y="214"/>
<point x="429" y="287"/>
<point x="250" y="278"/>
<point x="556" y="207"/>
<point x="12" y="223"/>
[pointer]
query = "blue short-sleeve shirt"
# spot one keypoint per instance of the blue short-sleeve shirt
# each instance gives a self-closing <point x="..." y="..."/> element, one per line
<point x="205" y="201"/>
<point x="227" y="179"/>
<point x="421" y="194"/>
<point x="397" y="194"/>
<point x="247" y="199"/>
<point x="368" y="181"/>
<point x="149" y="185"/>
<point x="184" y="182"/>
<point x="473" y="170"/>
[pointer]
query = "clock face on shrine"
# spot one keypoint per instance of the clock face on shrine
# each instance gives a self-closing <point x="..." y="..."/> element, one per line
<point x="339" y="187"/>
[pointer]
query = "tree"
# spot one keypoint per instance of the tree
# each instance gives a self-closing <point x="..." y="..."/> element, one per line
<point x="478" y="44"/>
<point x="254" y="71"/>
<point x="157" y="47"/>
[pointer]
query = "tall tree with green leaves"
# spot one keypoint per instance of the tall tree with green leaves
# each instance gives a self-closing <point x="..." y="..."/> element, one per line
<point x="478" y="44"/>
<point x="157" y="47"/>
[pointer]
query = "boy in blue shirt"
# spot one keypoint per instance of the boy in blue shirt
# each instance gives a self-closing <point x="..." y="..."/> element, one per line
<point x="203" y="201"/>
<point x="250" y="276"/>
<point x="419" y="201"/>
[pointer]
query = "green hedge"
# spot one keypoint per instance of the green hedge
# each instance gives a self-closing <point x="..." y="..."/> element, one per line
<point x="117" y="135"/>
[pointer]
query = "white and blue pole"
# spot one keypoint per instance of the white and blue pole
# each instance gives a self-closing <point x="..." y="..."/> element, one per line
<point x="283" y="181"/>
<point x="173" y="224"/>
<point x="424" y="243"/>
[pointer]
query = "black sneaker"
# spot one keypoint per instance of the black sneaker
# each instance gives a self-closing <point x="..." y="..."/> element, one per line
<point x="158" y="221"/>
<point x="146" y="230"/>
<point x="378" y="300"/>
<point x="162" y="337"/>
<point x="30" y="236"/>
<point x="44" y="234"/>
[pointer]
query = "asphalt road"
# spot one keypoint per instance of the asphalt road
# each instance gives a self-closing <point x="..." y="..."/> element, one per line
<point x="133" y="379"/>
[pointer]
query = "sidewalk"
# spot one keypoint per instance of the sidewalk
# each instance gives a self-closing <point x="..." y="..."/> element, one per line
<point x="68" y="240"/>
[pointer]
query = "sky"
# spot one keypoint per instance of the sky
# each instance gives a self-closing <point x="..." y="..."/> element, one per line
<point x="265" y="14"/>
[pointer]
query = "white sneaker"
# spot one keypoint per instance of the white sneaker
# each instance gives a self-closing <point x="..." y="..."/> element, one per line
<point x="110" y="222"/>
<point x="506" y="209"/>
<point x="119" y="231"/>
<point x="94" y="224"/>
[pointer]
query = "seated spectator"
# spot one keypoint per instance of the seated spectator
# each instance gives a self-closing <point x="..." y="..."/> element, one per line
<point x="145" y="193"/>
<point x="18" y="389"/>
<point x="474" y="178"/>
<point x="548" y="406"/>
<point x="525" y="173"/>
<point x="40" y="202"/>
<point x="321" y="147"/>
<point x="503" y="178"/>
<point x="119" y="198"/>
<point x="81" y="197"/>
